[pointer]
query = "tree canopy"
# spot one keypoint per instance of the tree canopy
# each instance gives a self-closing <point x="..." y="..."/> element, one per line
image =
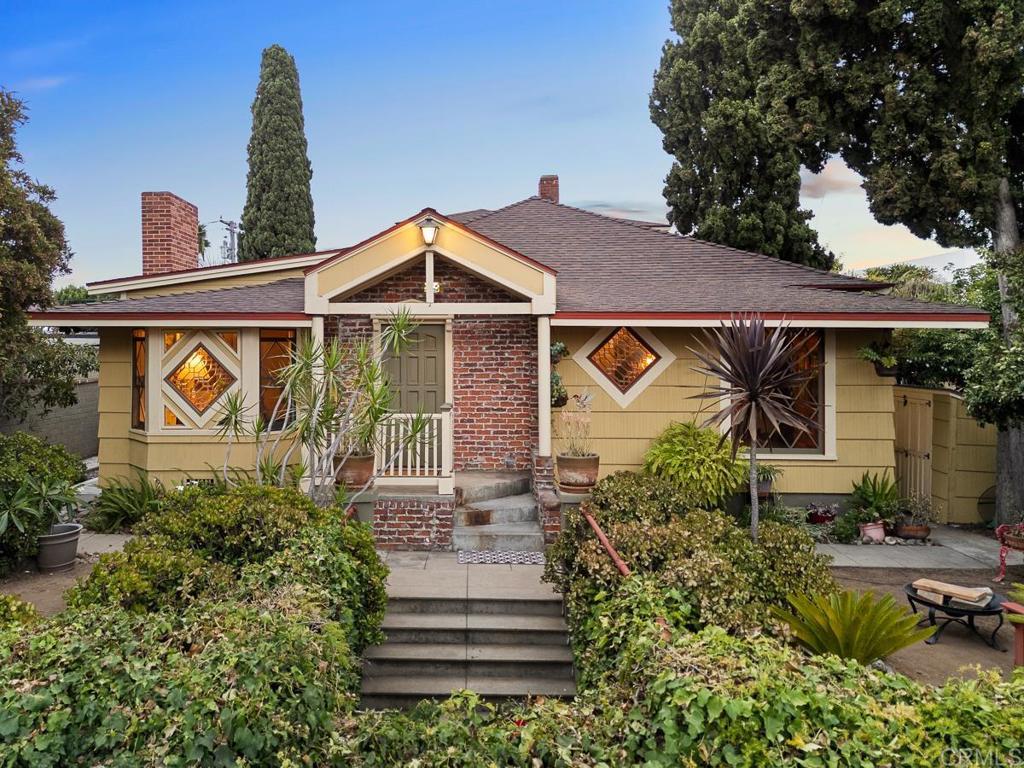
<point x="735" y="178"/>
<point x="278" y="216"/>
<point x="35" y="371"/>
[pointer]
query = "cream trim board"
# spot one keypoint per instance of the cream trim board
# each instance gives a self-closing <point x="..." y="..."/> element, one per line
<point x="789" y="322"/>
<point x="438" y="310"/>
<point x="623" y="399"/>
<point x="486" y="273"/>
<point x="830" y="452"/>
<point x="167" y="323"/>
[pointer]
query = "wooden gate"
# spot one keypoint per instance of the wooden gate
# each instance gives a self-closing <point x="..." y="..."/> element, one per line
<point x="914" y="444"/>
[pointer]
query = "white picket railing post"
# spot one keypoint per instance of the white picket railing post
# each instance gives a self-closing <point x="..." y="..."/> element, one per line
<point x="446" y="481"/>
<point x="429" y="455"/>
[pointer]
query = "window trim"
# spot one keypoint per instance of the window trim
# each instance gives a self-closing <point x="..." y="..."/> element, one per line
<point x="294" y="342"/>
<point x="139" y="389"/>
<point x="623" y="399"/>
<point x="828" y="452"/>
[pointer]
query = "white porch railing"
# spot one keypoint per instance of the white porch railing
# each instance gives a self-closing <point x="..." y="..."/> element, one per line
<point x="428" y="456"/>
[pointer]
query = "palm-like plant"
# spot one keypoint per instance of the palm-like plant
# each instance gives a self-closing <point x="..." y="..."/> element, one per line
<point x="757" y="378"/>
<point x="852" y="625"/>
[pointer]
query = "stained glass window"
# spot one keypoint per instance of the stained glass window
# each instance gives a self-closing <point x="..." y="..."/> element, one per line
<point x="230" y="338"/>
<point x="139" y="378"/>
<point x="200" y="379"/>
<point x="276" y="347"/>
<point x="171" y="418"/>
<point x="171" y="338"/>
<point x="623" y="357"/>
<point x="808" y="396"/>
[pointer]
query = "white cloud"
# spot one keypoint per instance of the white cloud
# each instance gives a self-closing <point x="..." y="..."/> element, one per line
<point x="836" y="177"/>
<point x="45" y="83"/>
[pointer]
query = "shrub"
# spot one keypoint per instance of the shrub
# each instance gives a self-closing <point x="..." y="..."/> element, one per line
<point x="23" y="457"/>
<point x="699" y="463"/>
<point x="851" y="625"/>
<point x="123" y="503"/>
<point x="245" y="524"/>
<point x="630" y="496"/>
<point x="218" y="684"/>
<point x="16" y="613"/>
<point x="338" y="560"/>
<point x="150" y="574"/>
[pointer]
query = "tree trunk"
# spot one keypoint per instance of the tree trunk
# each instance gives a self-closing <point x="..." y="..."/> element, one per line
<point x="754" y="501"/>
<point x="1010" y="441"/>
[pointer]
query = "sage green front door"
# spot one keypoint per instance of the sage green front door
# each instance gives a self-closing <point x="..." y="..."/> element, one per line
<point x="417" y="372"/>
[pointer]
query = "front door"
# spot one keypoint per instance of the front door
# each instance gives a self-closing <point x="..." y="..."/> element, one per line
<point x="417" y="372"/>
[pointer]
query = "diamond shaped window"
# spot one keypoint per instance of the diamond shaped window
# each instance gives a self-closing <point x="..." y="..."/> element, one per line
<point x="200" y="379"/>
<point x="623" y="357"/>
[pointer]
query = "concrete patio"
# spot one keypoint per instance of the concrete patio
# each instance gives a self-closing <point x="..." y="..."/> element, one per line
<point x="440" y="575"/>
<point x="956" y="548"/>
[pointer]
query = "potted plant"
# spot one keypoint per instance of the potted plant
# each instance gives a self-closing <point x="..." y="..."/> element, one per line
<point x="871" y="525"/>
<point x="55" y="504"/>
<point x="916" y="518"/>
<point x="559" y="395"/>
<point x="882" y="356"/>
<point x="820" y="514"/>
<point x="874" y="497"/>
<point x="577" y="465"/>
<point x="767" y="474"/>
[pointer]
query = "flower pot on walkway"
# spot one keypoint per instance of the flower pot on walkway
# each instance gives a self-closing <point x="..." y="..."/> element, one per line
<point x="58" y="548"/>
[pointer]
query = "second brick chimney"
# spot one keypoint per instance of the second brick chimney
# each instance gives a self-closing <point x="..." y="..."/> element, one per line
<point x="170" y="233"/>
<point x="548" y="187"/>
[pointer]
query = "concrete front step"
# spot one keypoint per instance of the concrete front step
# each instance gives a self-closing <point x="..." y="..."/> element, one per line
<point x="502" y="537"/>
<point x="507" y="509"/>
<point x="472" y="487"/>
<point x="523" y="606"/>
<point x="522" y="629"/>
<point x="387" y="692"/>
<point x="529" y="662"/>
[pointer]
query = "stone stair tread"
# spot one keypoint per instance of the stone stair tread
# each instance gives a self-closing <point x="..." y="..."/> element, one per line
<point x="453" y="652"/>
<point x="527" y="527"/>
<point x="441" y="651"/>
<point x="441" y="686"/>
<point x="505" y="502"/>
<point x="475" y="621"/>
<point x="517" y="652"/>
<point x="424" y="621"/>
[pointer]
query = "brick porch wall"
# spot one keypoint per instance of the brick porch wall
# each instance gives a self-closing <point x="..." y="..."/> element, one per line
<point x="454" y="285"/>
<point x="414" y="523"/>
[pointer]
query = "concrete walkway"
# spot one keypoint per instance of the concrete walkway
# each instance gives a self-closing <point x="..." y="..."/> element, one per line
<point x="959" y="549"/>
<point x="90" y="543"/>
<point x="439" y="575"/>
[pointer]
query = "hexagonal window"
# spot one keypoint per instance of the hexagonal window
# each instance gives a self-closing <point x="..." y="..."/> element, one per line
<point x="623" y="358"/>
<point x="200" y="379"/>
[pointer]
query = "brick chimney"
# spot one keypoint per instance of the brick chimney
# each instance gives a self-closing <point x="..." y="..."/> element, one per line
<point x="170" y="233"/>
<point x="548" y="187"/>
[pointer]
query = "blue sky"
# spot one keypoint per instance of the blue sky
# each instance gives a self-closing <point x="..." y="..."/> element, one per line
<point x="455" y="105"/>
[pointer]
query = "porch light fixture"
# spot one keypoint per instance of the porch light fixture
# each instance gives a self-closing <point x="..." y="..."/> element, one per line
<point x="429" y="228"/>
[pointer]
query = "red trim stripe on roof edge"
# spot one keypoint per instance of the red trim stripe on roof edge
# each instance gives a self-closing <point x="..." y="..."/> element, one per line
<point x="444" y="219"/>
<point x="213" y="267"/>
<point x="169" y="316"/>
<point x="936" y="316"/>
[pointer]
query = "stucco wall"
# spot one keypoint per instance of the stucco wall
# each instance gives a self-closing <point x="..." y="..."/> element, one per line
<point x="864" y="412"/>
<point x="74" y="427"/>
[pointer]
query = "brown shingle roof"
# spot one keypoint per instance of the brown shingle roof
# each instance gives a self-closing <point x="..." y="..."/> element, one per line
<point x="281" y="297"/>
<point x="616" y="265"/>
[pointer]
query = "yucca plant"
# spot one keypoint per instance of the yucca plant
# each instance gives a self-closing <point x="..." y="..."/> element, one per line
<point x="756" y="378"/>
<point x="851" y="625"/>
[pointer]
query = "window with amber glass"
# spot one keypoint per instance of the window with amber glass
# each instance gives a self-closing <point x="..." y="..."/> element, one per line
<point x="139" y="378"/>
<point x="276" y="346"/>
<point x="808" y="397"/>
<point x="623" y="357"/>
<point x="200" y="379"/>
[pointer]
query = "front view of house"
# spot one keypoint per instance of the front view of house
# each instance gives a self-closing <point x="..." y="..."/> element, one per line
<point x="491" y="290"/>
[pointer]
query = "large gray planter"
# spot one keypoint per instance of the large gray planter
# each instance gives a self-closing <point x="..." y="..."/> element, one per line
<point x="57" y="549"/>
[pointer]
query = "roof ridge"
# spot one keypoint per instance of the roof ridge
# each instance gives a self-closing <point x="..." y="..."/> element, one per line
<point x="61" y="307"/>
<point x="503" y="208"/>
<point x="644" y="228"/>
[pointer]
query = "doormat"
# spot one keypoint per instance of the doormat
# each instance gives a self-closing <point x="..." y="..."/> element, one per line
<point x="495" y="557"/>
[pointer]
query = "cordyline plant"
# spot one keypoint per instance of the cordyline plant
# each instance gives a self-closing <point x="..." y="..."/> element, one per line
<point x="754" y="366"/>
<point x="334" y="398"/>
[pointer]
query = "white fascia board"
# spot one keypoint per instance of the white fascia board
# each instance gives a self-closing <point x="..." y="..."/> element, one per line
<point x="793" y="323"/>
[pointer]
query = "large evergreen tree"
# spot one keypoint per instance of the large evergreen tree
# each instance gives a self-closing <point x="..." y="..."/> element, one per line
<point x="36" y="372"/>
<point x="735" y="178"/>
<point x="923" y="98"/>
<point x="278" y="215"/>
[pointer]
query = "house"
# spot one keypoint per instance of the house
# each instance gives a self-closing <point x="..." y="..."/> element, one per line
<point x="492" y="289"/>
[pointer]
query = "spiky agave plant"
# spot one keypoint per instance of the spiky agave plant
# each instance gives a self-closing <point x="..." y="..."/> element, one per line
<point x="851" y="625"/>
<point x="756" y="377"/>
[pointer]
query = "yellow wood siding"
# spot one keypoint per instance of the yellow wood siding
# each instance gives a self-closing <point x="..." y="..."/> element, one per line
<point x="864" y="412"/>
<point x="124" y="452"/>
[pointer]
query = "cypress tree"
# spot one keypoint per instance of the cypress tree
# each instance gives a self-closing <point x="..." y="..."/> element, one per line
<point x="278" y="215"/>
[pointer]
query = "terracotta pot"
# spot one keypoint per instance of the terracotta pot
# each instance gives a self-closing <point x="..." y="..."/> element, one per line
<point x="873" y="531"/>
<point x="57" y="549"/>
<point x="577" y="473"/>
<point x="355" y="471"/>
<point x="913" y="531"/>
